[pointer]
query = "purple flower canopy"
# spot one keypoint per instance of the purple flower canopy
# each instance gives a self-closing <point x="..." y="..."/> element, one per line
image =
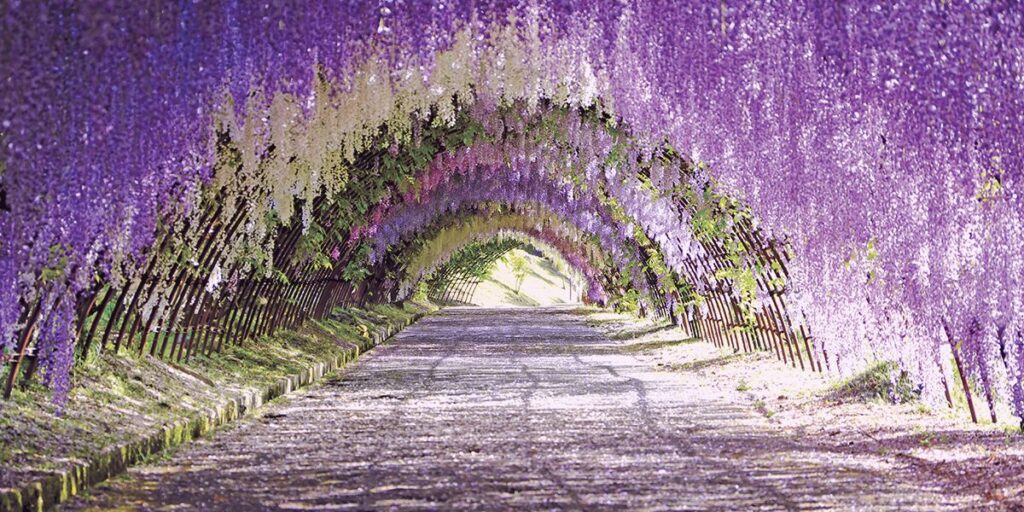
<point x="884" y="143"/>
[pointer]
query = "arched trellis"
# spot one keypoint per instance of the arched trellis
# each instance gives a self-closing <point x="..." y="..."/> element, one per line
<point x="442" y="239"/>
<point x="455" y="281"/>
<point x="195" y="295"/>
<point x="195" y="317"/>
<point x="453" y="261"/>
<point x="773" y="328"/>
<point x="721" y="321"/>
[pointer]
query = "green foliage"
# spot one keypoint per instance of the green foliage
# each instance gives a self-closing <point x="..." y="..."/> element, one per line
<point x="762" y="407"/>
<point x="279" y="276"/>
<point x="744" y="281"/>
<point x="517" y="262"/>
<point x="883" y="380"/>
<point x="715" y="220"/>
<point x="617" y="156"/>
<point x="356" y="270"/>
<point x="990" y="187"/>
<point x="420" y="293"/>
<point x="628" y="302"/>
<point x="311" y="246"/>
<point x="57" y="264"/>
<point x="868" y="256"/>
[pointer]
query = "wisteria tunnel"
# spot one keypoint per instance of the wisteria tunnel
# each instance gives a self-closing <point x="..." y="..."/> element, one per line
<point x="814" y="189"/>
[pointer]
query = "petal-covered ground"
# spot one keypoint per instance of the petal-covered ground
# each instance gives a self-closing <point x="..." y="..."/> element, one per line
<point x="529" y="408"/>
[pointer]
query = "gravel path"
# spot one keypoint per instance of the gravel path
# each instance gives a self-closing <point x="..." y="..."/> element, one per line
<point x="499" y="409"/>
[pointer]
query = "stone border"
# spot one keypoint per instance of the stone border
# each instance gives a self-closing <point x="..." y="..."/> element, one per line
<point x="59" y="488"/>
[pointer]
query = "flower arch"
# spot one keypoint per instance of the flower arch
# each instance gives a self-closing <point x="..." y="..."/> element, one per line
<point x="550" y="233"/>
<point x="454" y="277"/>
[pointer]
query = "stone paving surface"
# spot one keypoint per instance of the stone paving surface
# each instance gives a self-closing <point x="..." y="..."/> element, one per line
<point x="478" y="409"/>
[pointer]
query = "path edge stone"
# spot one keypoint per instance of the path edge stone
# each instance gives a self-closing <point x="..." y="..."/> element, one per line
<point x="44" y="493"/>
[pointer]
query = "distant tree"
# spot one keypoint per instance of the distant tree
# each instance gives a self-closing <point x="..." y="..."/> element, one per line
<point x="518" y="263"/>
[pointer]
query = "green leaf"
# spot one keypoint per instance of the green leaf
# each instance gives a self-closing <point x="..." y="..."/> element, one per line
<point x="279" y="276"/>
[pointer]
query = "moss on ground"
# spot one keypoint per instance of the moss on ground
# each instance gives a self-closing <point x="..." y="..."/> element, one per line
<point x="117" y="398"/>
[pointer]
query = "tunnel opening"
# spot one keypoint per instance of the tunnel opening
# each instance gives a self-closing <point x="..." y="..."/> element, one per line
<point x="516" y="270"/>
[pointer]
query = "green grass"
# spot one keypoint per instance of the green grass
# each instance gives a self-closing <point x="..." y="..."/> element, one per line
<point x="882" y="381"/>
<point x="708" y="363"/>
<point x="642" y="330"/>
<point x="655" y="345"/>
<point x="119" y="397"/>
<point x="761" y="407"/>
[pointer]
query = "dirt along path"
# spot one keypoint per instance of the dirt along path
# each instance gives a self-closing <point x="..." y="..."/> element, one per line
<point x="513" y="408"/>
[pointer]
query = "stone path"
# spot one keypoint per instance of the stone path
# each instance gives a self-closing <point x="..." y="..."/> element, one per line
<point x="498" y="409"/>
